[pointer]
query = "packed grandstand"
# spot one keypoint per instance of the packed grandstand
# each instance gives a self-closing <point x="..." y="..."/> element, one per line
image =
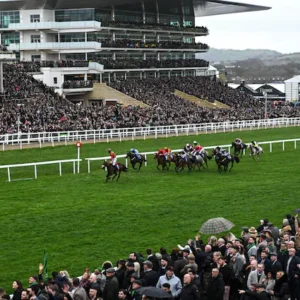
<point x="39" y="108"/>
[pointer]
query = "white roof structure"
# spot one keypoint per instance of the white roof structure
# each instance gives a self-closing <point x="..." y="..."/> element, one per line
<point x="294" y="79"/>
<point x="292" y="88"/>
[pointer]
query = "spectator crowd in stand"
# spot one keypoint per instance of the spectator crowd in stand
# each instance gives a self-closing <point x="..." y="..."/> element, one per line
<point x="125" y="43"/>
<point x="154" y="26"/>
<point x="76" y="84"/>
<point x="262" y="263"/>
<point x="29" y="105"/>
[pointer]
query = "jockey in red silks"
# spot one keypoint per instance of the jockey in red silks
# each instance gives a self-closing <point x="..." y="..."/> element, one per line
<point x="113" y="158"/>
<point x="198" y="149"/>
<point x="163" y="153"/>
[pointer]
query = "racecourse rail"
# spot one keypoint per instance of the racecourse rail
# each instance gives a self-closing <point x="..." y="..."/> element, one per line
<point x="90" y="159"/>
<point x="107" y="135"/>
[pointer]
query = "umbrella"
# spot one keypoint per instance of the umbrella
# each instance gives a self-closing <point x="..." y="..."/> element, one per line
<point x="216" y="225"/>
<point x="152" y="291"/>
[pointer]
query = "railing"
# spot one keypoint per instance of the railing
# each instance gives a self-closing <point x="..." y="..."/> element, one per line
<point x="120" y="134"/>
<point x="35" y="164"/>
<point x="206" y="148"/>
<point x="55" y="25"/>
<point x="55" y="46"/>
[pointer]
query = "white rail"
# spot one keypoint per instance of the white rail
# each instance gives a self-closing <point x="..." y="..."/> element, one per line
<point x="270" y="143"/>
<point x="35" y="164"/>
<point x="141" y="132"/>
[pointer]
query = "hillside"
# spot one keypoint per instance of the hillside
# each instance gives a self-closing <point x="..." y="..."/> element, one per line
<point x="269" y="57"/>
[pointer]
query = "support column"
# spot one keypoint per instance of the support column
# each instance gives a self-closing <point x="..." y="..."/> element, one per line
<point x="113" y="36"/>
<point x="113" y="14"/>
<point x="158" y="56"/>
<point x="157" y="37"/>
<point x="157" y="11"/>
<point x="182" y="14"/>
<point x="115" y="76"/>
<point x="108" y="78"/>
<point x="183" y="55"/>
<point x="141" y="75"/>
<point x="58" y="37"/>
<point x="125" y="75"/>
<point x="143" y="12"/>
<point x="144" y="38"/>
<point x="100" y="79"/>
<point x="85" y="36"/>
<point x="144" y="56"/>
<point x="85" y="77"/>
<point x="169" y="74"/>
<point x="114" y="55"/>
<point x="86" y="56"/>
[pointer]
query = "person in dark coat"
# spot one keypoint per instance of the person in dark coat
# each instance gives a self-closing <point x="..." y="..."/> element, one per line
<point x="149" y="276"/>
<point x="179" y="264"/>
<point x="281" y="289"/>
<point x="189" y="290"/>
<point x="259" y="293"/>
<point x="18" y="289"/>
<point x="215" y="288"/>
<point x="111" y="289"/>
<point x="120" y="273"/>
<point x="127" y="275"/>
<point x="153" y="259"/>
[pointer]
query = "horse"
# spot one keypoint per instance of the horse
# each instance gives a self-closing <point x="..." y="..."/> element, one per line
<point x="197" y="160"/>
<point x="254" y="153"/>
<point x="238" y="148"/>
<point x="134" y="160"/>
<point x="224" y="162"/>
<point x="112" y="170"/>
<point x="182" y="163"/>
<point x="161" y="162"/>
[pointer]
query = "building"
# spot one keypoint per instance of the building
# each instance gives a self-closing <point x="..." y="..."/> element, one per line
<point x="292" y="89"/>
<point x="110" y="39"/>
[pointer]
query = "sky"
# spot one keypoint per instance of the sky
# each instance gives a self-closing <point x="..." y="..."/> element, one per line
<point x="275" y="29"/>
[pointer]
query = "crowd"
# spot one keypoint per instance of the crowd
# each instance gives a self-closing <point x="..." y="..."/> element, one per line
<point x="69" y="63"/>
<point x="28" y="105"/>
<point x="154" y="26"/>
<point x="75" y="84"/>
<point x="151" y="63"/>
<point x="263" y="263"/>
<point x="3" y="48"/>
<point x="125" y="43"/>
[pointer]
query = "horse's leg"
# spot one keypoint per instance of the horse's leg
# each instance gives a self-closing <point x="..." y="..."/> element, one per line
<point x="231" y="165"/>
<point x="119" y="173"/>
<point x="140" y="165"/>
<point x="133" y="165"/>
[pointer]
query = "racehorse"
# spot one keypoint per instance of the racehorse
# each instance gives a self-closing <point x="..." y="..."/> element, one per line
<point x="161" y="162"/>
<point x="181" y="163"/>
<point x="254" y="153"/>
<point x="111" y="170"/>
<point x="134" y="160"/>
<point x="238" y="148"/>
<point x="224" y="162"/>
<point x="197" y="160"/>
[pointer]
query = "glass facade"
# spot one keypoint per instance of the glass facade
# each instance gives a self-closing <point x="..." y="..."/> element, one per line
<point x="8" y="38"/>
<point x="71" y="15"/>
<point x="71" y="37"/>
<point x="7" y="17"/>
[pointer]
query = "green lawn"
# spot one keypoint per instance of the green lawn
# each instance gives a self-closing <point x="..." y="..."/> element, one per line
<point x="81" y="221"/>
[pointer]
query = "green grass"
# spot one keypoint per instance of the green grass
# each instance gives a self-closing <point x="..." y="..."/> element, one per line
<point x="81" y="221"/>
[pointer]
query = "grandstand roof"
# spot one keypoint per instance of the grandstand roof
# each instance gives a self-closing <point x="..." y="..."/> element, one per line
<point x="294" y="79"/>
<point x="201" y="7"/>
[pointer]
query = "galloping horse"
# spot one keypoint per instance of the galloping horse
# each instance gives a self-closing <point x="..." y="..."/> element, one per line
<point x="254" y="153"/>
<point x="198" y="161"/>
<point x="224" y="162"/>
<point x="161" y="162"/>
<point x="182" y="163"/>
<point x="238" y="148"/>
<point x="111" y="170"/>
<point x="134" y="160"/>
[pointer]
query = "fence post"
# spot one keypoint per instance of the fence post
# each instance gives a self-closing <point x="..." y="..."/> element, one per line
<point x="3" y="146"/>
<point x="146" y="162"/>
<point x="59" y="168"/>
<point x="126" y="162"/>
<point x="35" y="172"/>
<point x="270" y="147"/>
<point x="295" y="144"/>
<point x="74" y="166"/>
<point x="283" y="147"/>
<point x="8" y="174"/>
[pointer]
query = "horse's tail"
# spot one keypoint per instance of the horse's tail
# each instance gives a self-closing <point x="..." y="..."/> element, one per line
<point x="237" y="159"/>
<point x="209" y="157"/>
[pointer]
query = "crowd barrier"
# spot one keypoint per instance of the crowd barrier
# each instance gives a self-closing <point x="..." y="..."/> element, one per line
<point x="120" y="134"/>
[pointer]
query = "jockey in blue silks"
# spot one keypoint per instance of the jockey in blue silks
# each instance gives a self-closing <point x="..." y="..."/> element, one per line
<point x="136" y="154"/>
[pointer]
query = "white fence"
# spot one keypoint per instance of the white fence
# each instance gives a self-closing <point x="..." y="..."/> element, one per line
<point x="35" y="164"/>
<point x="270" y="143"/>
<point x="140" y="132"/>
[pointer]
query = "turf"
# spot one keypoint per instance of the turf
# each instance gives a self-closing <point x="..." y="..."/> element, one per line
<point x="81" y="221"/>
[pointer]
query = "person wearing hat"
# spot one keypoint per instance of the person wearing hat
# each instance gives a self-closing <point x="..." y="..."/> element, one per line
<point x="174" y="281"/>
<point x="111" y="289"/>
<point x="259" y="293"/>
<point x="253" y="232"/>
<point x="94" y="291"/>
<point x="113" y="158"/>
<point x="149" y="276"/>
<point x="274" y="230"/>
<point x="128" y="273"/>
<point x="245" y="235"/>
<point x="135" y="293"/>
<point x="276" y="265"/>
<point x="251" y="247"/>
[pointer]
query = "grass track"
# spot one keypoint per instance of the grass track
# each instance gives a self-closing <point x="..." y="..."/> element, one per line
<point x="81" y="221"/>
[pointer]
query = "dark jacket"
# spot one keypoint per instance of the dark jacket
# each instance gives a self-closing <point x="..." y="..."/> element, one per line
<point x="150" y="278"/>
<point x="215" y="288"/>
<point x="17" y="294"/>
<point x="275" y="267"/>
<point x="190" y="292"/>
<point x="111" y="289"/>
<point x="293" y="269"/>
<point x="226" y="272"/>
<point x="126" y="281"/>
<point x="179" y="265"/>
<point x="154" y="261"/>
<point x="281" y="288"/>
<point x="261" y="296"/>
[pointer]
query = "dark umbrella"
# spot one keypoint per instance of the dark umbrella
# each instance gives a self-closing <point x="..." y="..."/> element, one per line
<point x="216" y="225"/>
<point x="152" y="291"/>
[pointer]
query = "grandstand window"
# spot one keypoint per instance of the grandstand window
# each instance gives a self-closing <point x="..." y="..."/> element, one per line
<point x="8" y="17"/>
<point x="55" y="80"/>
<point x="8" y="38"/>
<point x="103" y="15"/>
<point x="71" y="37"/>
<point x="35" y="38"/>
<point x="128" y="16"/>
<point x="35" y="18"/>
<point x="72" y="15"/>
<point x="35" y="57"/>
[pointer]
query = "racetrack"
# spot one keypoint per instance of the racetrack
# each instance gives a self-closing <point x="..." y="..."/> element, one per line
<point x="81" y="221"/>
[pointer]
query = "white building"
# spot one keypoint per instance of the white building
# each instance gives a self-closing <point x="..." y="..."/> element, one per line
<point x="292" y="89"/>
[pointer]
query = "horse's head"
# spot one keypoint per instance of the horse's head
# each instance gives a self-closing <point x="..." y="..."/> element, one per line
<point x="104" y="164"/>
<point x="233" y="144"/>
<point x="214" y="152"/>
<point x="155" y="155"/>
<point x="128" y="155"/>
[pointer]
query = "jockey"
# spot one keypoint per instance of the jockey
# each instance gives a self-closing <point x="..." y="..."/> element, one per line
<point x="188" y="148"/>
<point x="238" y="141"/>
<point x="183" y="155"/>
<point x="198" y="149"/>
<point x="168" y="152"/>
<point x="136" y="154"/>
<point x="163" y="153"/>
<point x="225" y="154"/>
<point x="255" y="145"/>
<point x="113" y="158"/>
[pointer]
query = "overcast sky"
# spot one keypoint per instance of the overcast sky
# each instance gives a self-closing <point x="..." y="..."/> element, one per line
<point x="276" y="29"/>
